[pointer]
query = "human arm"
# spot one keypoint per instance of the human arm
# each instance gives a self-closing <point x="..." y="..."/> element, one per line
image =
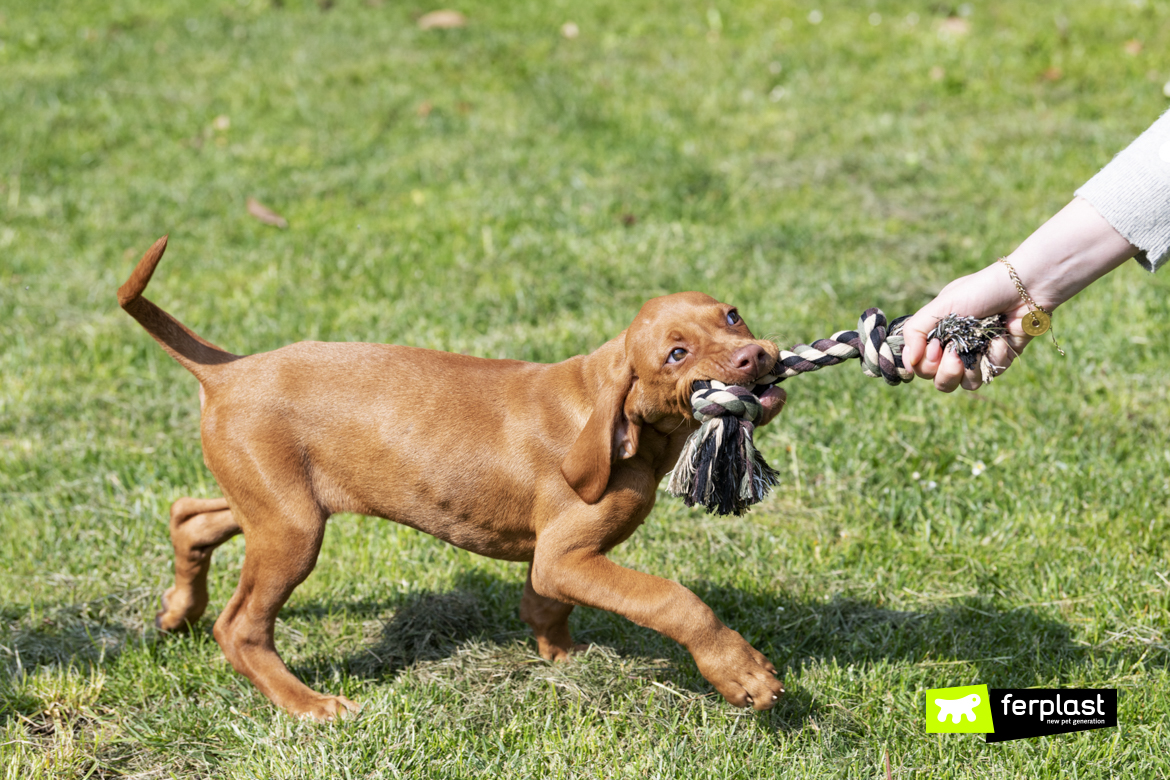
<point x="1122" y="212"/>
<point x="1065" y="255"/>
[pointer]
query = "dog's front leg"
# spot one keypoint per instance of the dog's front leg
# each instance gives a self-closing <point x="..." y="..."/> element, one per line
<point x="566" y="571"/>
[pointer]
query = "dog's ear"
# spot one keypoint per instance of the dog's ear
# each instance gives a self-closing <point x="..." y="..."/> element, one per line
<point x="609" y="435"/>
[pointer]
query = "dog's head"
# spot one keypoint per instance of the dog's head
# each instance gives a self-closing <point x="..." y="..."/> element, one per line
<point x="674" y="342"/>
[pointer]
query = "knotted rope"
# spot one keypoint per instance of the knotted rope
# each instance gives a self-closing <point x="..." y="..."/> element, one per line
<point x="720" y="467"/>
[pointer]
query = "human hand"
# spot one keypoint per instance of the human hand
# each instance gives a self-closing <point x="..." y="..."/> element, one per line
<point x="982" y="294"/>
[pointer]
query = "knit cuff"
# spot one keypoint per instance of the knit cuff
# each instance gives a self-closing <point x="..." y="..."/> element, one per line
<point x="1132" y="192"/>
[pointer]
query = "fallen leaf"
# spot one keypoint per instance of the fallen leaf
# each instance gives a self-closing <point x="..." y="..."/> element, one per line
<point x="1052" y="74"/>
<point x="955" y="25"/>
<point x="265" y="214"/>
<point x="424" y="109"/>
<point x="629" y="220"/>
<point x="444" y="19"/>
<point x="1133" y="47"/>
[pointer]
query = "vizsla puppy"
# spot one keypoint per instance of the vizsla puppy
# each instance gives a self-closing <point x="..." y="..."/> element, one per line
<point x="550" y="464"/>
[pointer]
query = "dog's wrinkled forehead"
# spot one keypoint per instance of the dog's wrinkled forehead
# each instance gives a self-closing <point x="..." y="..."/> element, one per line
<point x="659" y="314"/>
<point x="681" y="315"/>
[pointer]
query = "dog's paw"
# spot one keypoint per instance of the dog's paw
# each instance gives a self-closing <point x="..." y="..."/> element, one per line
<point x="740" y="672"/>
<point x="324" y="709"/>
<point x="178" y="612"/>
<point x="558" y="652"/>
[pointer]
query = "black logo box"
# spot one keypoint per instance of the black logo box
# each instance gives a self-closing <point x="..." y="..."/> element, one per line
<point x="1020" y="713"/>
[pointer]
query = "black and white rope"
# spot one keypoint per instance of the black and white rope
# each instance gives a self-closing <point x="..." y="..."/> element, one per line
<point x="879" y="346"/>
<point x="720" y="467"/>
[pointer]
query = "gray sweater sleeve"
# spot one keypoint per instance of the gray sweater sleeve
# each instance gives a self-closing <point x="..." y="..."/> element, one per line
<point x="1132" y="192"/>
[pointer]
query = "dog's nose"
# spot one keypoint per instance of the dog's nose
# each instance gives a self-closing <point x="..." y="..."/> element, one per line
<point x="747" y="359"/>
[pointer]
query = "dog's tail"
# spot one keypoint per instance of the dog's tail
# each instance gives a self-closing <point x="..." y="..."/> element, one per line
<point x="195" y="354"/>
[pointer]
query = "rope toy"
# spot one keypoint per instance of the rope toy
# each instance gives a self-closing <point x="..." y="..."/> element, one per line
<point x="720" y="468"/>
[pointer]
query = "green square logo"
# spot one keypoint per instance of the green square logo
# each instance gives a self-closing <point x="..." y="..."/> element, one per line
<point x="963" y="710"/>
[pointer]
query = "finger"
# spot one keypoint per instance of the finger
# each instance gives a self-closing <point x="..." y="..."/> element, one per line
<point x="929" y="365"/>
<point x="1000" y="354"/>
<point x="915" y="346"/>
<point x="950" y="372"/>
<point x="915" y="332"/>
<point x="971" y="379"/>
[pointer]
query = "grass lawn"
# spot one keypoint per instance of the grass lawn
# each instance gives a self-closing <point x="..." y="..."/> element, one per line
<point x="509" y="191"/>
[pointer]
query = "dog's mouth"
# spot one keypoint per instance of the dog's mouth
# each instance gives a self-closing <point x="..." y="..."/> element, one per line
<point x="763" y="386"/>
<point x="765" y="378"/>
<point x="770" y="394"/>
<point x="759" y="385"/>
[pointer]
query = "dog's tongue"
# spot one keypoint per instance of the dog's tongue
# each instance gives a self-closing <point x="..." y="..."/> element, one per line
<point x="771" y="396"/>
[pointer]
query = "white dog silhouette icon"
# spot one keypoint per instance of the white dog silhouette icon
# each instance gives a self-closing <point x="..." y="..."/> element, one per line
<point x="958" y="708"/>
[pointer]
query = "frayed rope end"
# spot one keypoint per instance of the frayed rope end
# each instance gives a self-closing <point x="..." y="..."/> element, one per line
<point x="720" y="468"/>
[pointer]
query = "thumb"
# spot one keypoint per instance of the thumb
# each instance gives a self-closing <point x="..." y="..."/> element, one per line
<point x="914" y="331"/>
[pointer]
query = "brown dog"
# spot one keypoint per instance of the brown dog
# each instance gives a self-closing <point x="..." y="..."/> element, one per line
<point x="550" y="464"/>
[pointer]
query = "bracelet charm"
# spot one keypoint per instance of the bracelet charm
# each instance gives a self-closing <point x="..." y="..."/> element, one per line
<point x="1036" y="322"/>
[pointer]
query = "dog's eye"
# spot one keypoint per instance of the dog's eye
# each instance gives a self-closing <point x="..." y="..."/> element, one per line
<point x="676" y="355"/>
<point x="733" y="317"/>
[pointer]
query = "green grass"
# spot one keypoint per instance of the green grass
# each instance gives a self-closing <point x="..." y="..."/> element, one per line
<point x="801" y="171"/>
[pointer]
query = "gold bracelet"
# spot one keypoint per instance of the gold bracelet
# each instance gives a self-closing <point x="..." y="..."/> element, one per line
<point x="1037" y="321"/>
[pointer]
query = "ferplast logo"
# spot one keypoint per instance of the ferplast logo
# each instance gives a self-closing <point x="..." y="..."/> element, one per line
<point x="962" y="710"/>
<point x="1006" y="714"/>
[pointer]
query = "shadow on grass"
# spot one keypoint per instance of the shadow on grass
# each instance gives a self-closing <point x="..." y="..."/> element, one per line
<point x="792" y="632"/>
<point x="1007" y="648"/>
<point x="426" y="626"/>
<point x="79" y="637"/>
<point x="83" y="635"/>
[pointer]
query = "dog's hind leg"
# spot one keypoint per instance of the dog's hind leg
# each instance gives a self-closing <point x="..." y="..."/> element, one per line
<point x="549" y="620"/>
<point x="198" y="526"/>
<point x="283" y="539"/>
